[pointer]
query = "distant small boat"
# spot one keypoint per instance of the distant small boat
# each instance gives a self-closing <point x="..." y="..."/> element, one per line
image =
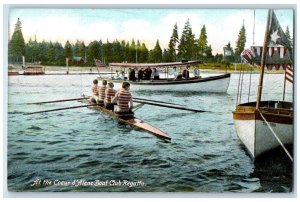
<point x="34" y="70"/>
<point x="12" y="71"/>
<point x="214" y="84"/>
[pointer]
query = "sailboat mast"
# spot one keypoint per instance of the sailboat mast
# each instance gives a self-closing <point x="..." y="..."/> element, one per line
<point x="253" y="28"/>
<point x="263" y="59"/>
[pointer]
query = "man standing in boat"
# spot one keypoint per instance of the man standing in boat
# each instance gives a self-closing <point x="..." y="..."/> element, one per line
<point x="109" y="94"/>
<point x="141" y="74"/>
<point x="132" y="75"/>
<point x="148" y="73"/>
<point x="124" y="99"/>
<point x="102" y="92"/>
<point x="186" y="73"/>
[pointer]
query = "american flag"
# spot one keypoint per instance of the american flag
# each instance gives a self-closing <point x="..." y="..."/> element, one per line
<point x="247" y="56"/>
<point x="289" y="73"/>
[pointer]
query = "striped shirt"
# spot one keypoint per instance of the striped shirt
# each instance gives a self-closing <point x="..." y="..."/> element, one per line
<point x="124" y="98"/>
<point x="102" y="92"/>
<point x="95" y="90"/>
<point x="109" y="93"/>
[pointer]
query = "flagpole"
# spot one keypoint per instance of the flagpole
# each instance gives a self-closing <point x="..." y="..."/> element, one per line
<point x="263" y="60"/>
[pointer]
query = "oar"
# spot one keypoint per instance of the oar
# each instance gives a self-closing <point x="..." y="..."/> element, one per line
<point x="64" y="100"/>
<point x="156" y="101"/>
<point x="58" y="109"/>
<point x="169" y="106"/>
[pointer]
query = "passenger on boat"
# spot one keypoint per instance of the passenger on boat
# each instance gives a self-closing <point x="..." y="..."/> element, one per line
<point x="148" y="73"/>
<point x="132" y="75"/>
<point x="141" y="74"/>
<point x="186" y="73"/>
<point x="95" y="92"/>
<point x="196" y="72"/>
<point x="124" y="99"/>
<point x="155" y="74"/>
<point x="117" y="76"/>
<point x="102" y="92"/>
<point x="109" y="94"/>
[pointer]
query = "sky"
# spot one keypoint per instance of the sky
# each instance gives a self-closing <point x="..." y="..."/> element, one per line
<point x="145" y="25"/>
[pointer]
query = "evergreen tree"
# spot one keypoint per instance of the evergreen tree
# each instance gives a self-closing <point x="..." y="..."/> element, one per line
<point x="144" y="55"/>
<point x="171" y="55"/>
<point x="186" y="47"/>
<point x="79" y="49"/>
<point x="202" y="43"/>
<point x="50" y="53"/>
<point x="132" y="52"/>
<point x="16" y="46"/>
<point x="93" y="52"/>
<point x="208" y="54"/>
<point x="165" y="56"/>
<point x="59" y="58"/>
<point x="127" y="54"/>
<point x="156" y="54"/>
<point x="68" y="50"/>
<point x="240" y="43"/>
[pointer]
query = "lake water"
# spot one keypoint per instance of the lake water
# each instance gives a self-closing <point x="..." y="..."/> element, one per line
<point x="84" y="150"/>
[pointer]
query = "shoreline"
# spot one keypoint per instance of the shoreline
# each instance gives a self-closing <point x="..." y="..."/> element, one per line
<point x="61" y="70"/>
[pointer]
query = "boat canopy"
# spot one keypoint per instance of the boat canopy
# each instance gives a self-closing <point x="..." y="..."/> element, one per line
<point x="155" y="65"/>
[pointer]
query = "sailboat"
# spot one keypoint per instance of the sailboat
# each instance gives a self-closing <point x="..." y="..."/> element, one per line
<point x="265" y="125"/>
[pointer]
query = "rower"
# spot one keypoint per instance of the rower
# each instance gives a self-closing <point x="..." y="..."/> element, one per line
<point x="102" y="92"/>
<point x="109" y="94"/>
<point x="95" y="92"/>
<point x="124" y="98"/>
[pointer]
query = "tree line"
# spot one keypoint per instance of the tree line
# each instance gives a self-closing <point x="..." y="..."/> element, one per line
<point x="187" y="47"/>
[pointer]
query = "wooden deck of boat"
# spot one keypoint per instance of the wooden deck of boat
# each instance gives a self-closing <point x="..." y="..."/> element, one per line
<point x="136" y="123"/>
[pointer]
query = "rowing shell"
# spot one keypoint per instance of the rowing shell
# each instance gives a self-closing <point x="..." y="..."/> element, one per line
<point x="134" y="122"/>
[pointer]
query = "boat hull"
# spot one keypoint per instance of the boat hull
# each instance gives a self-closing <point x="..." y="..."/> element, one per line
<point x="214" y="84"/>
<point x="134" y="122"/>
<point x="254" y="132"/>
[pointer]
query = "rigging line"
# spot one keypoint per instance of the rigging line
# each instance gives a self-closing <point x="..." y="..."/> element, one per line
<point x="277" y="138"/>
<point x="250" y="83"/>
<point x="237" y="95"/>
<point x="242" y="83"/>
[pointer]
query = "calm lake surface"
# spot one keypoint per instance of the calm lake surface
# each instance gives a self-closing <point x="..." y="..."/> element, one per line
<point x="71" y="149"/>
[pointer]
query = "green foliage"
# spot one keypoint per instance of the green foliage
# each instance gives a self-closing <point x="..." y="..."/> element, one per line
<point x="240" y="43"/>
<point x="68" y="50"/>
<point x="187" y="46"/>
<point x="16" y="46"/>
<point x="156" y="54"/>
<point x="170" y="55"/>
<point x="202" y="44"/>
<point x="93" y="52"/>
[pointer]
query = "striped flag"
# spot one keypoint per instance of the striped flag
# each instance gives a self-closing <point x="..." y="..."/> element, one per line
<point x="289" y="73"/>
<point x="247" y="56"/>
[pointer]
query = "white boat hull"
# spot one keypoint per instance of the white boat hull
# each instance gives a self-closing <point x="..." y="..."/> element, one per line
<point x="258" y="138"/>
<point x="213" y="84"/>
<point x="254" y="132"/>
